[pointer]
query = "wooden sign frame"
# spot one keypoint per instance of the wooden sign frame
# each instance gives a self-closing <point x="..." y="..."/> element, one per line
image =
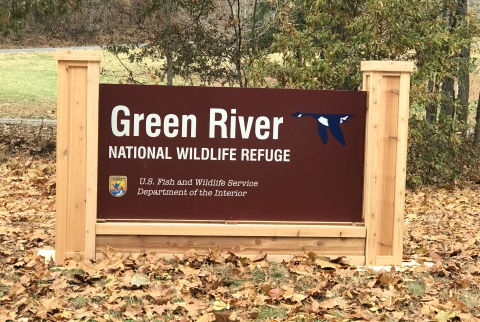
<point x="377" y="241"/>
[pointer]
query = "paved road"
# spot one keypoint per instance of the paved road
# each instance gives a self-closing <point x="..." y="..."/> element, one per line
<point x="26" y="50"/>
<point x="34" y="122"/>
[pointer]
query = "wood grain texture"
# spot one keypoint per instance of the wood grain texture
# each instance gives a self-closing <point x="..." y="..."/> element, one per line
<point x="93" y="85"/>
<point x="401" y="168"/>
<point x="387" y="66"/>
<point x="382" y="260"/>
<point x="78" y="80"/>
<point x="388" y="131"/>
<point x="115" y="228"/>
<point x="77" y="149"/>
<point x="371" y="178"/>
<point x="388" y="85"/>
<point x="238" y="245"/>
<point x="79" y="55"/>
<point x="62" y="161"/>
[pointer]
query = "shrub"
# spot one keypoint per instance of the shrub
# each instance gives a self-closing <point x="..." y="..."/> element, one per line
<point x="440" y="153"/>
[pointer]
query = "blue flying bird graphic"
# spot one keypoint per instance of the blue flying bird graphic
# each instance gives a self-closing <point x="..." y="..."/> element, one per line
<point x="116" y="185"/>
<point x="331" y="121"/>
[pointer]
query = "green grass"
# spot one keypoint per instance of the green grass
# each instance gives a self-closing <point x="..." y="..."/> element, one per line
<point x="29" y="81"/>
<point x="4" y="289"/>
<point x="29" y="85"/>
<point x="258" y="276"/>
<point x="28" y="77"/>
<point x="133" y="301"/>
<point x="113" y="70"/>
<point x="416" y="288"/>
<point x="271" y="312"/>
<point x="79" y="302"/>
<point x="304" y="283"/>
<point x="471" y="298"/>
<point x="279" y="274"/>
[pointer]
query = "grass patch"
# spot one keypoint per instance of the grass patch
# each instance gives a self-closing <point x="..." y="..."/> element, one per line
<point x="471" y="298"/>
<point x="271" y="312"/>
<point x="177" y="300"/>
<point x="133" y="301"/>
<point x="74" y="271"/>
<point x="29" y="81"/>
<point x="257" y="276"/>
<point x="114" y="70"/>
<point x="79" y="302"/>
<point x="278" y="274"/>
<point x="416" y="288"/>
<point x="304" y="283"/>
<point x="226" y="273"/>
<point x="28" y="77"/>
<point x="114" y="314"/>
<point x="4" y="289"/>
<point x="29" y="85"/>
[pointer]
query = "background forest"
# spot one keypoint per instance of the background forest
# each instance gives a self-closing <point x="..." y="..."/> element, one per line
<point x="313" y="44"/>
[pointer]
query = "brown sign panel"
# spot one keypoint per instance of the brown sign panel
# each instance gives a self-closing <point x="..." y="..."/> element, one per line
<point x="203" y="153"/>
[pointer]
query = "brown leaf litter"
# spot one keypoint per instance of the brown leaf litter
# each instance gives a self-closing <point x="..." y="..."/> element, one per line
<point x="441" y="226"/>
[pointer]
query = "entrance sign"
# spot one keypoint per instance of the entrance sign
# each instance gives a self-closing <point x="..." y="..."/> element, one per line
<point x="230" y="154"/>
<point x="277" y="171"/>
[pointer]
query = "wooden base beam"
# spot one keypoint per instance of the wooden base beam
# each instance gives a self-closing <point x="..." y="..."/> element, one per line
<point x="129" y="228"/>
<point x="281" y="248"/>
<point x="253" y="245"/>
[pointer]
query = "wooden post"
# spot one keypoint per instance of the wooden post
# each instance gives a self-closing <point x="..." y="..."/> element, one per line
<point x="388" y="86"/>
<point x="77" y="148"/>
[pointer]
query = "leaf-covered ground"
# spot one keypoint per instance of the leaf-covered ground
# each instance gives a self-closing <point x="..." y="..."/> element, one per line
<point x="441" y="227"/>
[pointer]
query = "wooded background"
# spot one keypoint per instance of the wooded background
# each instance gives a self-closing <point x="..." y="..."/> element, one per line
<point x="290" y="44"/>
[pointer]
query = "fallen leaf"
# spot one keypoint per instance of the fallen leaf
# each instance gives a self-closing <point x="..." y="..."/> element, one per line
<point x="275" y="293"/>
<point x="220" y="305"/>
<point x="260" y="257"/>
<point x="325" y="263"/>
<point x="140" y="280"/>
<point x="327" y="304"/>
<point x="443" y="316"/>
<point x="209" y="317"/>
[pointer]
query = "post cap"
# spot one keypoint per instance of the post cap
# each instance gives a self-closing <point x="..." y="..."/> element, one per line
<point x="387" y="66"/>
<point x="79" y="55"/>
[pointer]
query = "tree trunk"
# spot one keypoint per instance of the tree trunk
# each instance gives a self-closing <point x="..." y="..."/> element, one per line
<point x="464" y="87"/>
<point x="254" y="32"/>
<point x="431" y="114"/>
<point x="239" y="50"/>
<point x="448" y="92"/>
<point x="464" y="77"/>
<point x="476" y="138"/>
<point x="431" y="110"/>
<point x="169" y="55"/>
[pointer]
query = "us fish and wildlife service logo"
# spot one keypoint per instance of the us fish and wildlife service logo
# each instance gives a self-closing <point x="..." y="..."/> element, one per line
<point x="117" y="185"/>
